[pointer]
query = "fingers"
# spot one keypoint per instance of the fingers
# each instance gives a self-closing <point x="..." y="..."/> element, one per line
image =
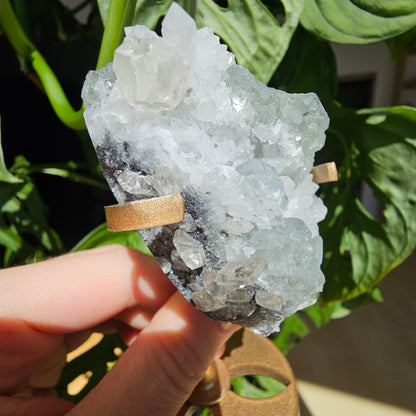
<point x="158" y="372"/>
<point x="136" y="317"/>
<point x="80" y="290"/>
<point x="38" y="406"/>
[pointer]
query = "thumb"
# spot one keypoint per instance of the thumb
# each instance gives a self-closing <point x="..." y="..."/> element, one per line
<point x="157" y="374"/>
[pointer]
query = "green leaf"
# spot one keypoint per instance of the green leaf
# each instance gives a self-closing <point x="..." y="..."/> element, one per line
<point x="148" y="12"/>
<point x="309" y="65"/>
<point x="320" y="315"/>
<point x="25" y="232"/>
<point x="10" y="238"/>
<point x="252" y="33"/>
<point x="297" y="326"/>
<point x="100" y="236"/>
<point x="359" y="21"/>
<point x="379" y="147"/>
<point x="256" y="386"/>
<point x="5" y="175"/>
<point x="387" y="8"/>
<point x="373" y="295"/>
<point x="402" y="43"/>
<point x="293" y="329"/>
<point x="314" y="317"/>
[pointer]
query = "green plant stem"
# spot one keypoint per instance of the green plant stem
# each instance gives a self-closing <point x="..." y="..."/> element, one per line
<point x="75" y="177"/>
<point x="67" y="171"/>
<point x="25" y="49"/>
<point x="190" y="7"/>
<point x="120" y="14"/>
<point x="56" y="95"/>
<point x="13" y="30"/>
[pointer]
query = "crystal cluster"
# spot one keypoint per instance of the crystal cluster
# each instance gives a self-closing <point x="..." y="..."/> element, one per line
<point x="176" y="114"/>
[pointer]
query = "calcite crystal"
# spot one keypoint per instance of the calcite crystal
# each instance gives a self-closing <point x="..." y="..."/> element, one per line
<point x="176" y="114"/>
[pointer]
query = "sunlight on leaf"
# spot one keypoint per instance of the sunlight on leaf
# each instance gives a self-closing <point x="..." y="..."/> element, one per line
<point x="256" y="386"/>
<point x="359" y="21"/>
<point x="253" y="34"/>
<point x="100" y="236"/>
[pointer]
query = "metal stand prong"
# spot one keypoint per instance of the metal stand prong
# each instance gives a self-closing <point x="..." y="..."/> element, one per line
<point x="145" y="213"/>
<point x="327" y="172"/>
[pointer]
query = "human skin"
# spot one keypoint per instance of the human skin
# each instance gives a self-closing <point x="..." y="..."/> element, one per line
<point x="49" y="308"/>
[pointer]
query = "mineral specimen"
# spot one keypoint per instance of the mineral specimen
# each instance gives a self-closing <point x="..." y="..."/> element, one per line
<point x="176" y="114"/>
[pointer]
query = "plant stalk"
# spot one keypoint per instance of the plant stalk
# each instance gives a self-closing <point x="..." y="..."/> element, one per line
<point x="120" y="14"/>
<point x="56" y="95"/>
<point x="13" y="30"/>
<point x="190" y="7"/>
<point x="25" y="49"/>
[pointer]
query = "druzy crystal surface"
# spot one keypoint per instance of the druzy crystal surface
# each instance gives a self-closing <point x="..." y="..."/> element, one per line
<point x="176" y="114"/>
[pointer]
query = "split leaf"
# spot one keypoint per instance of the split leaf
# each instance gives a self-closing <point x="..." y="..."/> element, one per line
<point x="377" y="146"/>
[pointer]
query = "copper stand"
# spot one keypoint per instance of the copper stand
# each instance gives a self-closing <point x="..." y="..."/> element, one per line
<point x="246" y="354"/>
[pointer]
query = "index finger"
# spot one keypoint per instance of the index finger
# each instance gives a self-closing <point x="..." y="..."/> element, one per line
<point x="80" y="290"/>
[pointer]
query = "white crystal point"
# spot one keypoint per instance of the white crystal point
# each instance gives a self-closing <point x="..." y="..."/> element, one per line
<point x="176" y="114"/>
<point x="177" y="25"/>
<point x="145" y="60"/>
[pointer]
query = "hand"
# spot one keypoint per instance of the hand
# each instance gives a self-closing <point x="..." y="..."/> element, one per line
<point x="48" y="308"/>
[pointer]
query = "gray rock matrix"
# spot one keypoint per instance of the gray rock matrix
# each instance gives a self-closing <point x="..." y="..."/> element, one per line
<point x="176" y="114"/>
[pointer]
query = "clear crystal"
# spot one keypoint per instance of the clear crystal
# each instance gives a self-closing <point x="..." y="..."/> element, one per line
<point x="205" y="302"/>
<point x="176" y="114"/>
<point x="190" y="250"/>
<point x="135" y="183"/>
<point x="245" y="271"/>
<point x="188" y="224"/>
<point x="269" y="300"/>
<point x="164" y="183"/>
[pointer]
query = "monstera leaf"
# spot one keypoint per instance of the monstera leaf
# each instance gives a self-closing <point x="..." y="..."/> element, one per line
<point x="377" y="146"/>
<point x="358" y="21"/>
<point x="252" y="33"/>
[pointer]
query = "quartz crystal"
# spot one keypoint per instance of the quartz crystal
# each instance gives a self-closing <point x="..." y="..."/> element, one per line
<point x="176" y="114"/>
